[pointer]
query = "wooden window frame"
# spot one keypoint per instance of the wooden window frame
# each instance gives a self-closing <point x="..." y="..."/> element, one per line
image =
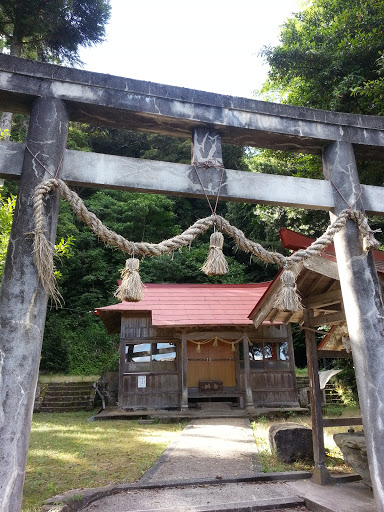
<point x="263" y="342"/>
<point x="153" y="370"/>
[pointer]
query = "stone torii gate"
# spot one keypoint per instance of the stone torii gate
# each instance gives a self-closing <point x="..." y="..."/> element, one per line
<point x="54" y="95"/>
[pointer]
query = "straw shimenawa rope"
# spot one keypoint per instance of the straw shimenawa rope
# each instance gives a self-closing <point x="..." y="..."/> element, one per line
<point x="43" y="249"/>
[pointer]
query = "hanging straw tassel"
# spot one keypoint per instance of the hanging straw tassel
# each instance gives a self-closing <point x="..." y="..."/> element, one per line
<point x="131" y="288"/>
<point x="43" y="252"/>
<point x="233" y="347"/>
<point x="215" y="264"/>
<point x="215" y="342"/>
<point x="198" y="348"/>
<point x="288" y="298"/>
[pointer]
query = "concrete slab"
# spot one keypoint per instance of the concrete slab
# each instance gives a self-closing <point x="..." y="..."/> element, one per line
<point x="208" y="448"/>
<point x="227" y="497"/>
<point x="340" y="497"/>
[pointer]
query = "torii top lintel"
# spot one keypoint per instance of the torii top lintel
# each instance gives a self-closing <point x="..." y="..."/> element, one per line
<point x="107" y="100"/>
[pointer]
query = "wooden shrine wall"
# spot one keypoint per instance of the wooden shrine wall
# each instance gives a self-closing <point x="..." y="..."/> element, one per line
<point x="162" y="389"/>
<point x="273" y="387"/>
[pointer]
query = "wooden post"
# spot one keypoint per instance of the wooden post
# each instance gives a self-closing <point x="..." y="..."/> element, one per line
<point x="184" y="364"/>
<point x="291" y="355"/>
<point x="247" y="376"/>
<point x="23" y="302"/>
<point x="363" y="305"/>
<point x="122" y="360"/>
<point x="320" y="472"/>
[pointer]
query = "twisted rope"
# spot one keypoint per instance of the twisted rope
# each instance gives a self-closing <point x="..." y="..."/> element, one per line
<point x="43" y="250"/>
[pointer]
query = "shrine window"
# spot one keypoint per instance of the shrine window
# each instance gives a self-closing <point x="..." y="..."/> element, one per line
<point x="153" y="356"/>
<point x="267" y="355"/>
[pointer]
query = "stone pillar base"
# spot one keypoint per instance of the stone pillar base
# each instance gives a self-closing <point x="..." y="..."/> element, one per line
<point x="321" y="476"/>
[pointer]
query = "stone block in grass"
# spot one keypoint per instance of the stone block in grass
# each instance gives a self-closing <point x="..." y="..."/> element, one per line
<point x="291" y="442"/>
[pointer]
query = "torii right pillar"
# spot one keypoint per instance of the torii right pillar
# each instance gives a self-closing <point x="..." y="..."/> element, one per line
<point x="363" y="304"/>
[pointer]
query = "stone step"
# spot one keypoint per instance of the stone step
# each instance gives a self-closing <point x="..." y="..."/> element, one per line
<point x="66" y="399"/>
<point x="68" y="392"/>
<point x="214" y="406"/>
<point x="263" y="505"/>
<point x="59" y="386"/>
<point x="65" y="396"/>
<point x="76" y="401"/>
<point x="233" y="497"/>
<point x="71" y="408"/>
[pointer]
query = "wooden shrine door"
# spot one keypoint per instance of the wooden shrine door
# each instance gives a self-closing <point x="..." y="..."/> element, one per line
<point x="211" y="363"/>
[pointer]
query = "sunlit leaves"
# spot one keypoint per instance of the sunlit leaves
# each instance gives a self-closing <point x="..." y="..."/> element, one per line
<point x="329" y="56"/>
<point x="7" y="206"/>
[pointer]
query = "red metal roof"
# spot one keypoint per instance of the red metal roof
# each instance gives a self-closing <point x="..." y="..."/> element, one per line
<point x="295" y="241"/>
<point x="194" y="304"/>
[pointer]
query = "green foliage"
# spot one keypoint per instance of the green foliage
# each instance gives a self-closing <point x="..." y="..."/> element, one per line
<point x="330" y="57"/>
<point x="63" y="249"/>
<point x="153" y="147"/>
<point x="299" y="165"/>
<point x="139" y="145"/>
<point x="92" y="352"/>
<point x="78" y="137"/>
<point x="346" y="381"/>
<point x="19" y="129"/>
<point x="332" y="410"/>
<point x="184" y="267"/>
<point x="54" y="355"/>
<point x="52" y="31"/>
<point x="7" y="206"/>
<point x="77" y="344"/>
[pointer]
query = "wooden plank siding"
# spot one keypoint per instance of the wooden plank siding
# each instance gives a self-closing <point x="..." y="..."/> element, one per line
<point x="163" y="390"/>
<point x="273" y="387"/>
<point x="270" y="387"/>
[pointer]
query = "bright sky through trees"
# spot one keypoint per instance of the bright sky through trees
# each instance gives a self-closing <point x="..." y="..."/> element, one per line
<point x="210" y="45"/>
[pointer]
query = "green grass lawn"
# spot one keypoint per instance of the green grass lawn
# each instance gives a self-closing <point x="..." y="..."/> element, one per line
<point x="68" y="452"/>
<point x="334" y="461"/>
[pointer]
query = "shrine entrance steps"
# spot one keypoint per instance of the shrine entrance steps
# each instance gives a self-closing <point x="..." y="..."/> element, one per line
<point x="215" y="406"/>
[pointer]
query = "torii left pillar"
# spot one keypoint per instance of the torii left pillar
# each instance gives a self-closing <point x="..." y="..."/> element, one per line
<point x="23" y="302"/>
